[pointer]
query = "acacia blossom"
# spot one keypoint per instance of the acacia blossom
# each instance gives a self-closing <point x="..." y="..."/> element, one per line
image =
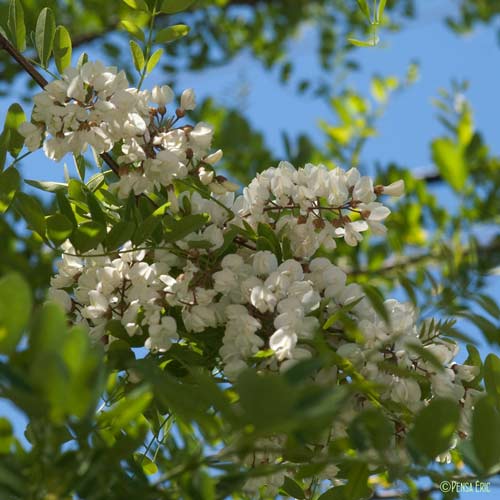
<point x="255" y="271"/>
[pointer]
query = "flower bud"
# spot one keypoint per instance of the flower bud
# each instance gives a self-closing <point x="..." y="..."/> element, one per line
<point x="205" y="176"/>
<point x="216" y="188"/>
<point x="188" y="100"/>
<point x="395" y="189"/>
<point x="162" y="95"/>
<point x="214" y="157"/>
<point x="230" y="186"/>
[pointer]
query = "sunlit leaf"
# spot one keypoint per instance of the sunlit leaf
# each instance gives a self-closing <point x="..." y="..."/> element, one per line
<point x="62" y="48"/>
<point x="433" y="429"/>
<point x="9" y="185"/>
<point x="450" y="162"/>
<point x="172" y="33"/>
<point x="44" y="35"/>
<point x="174" y="6"/>
<point x="16" y="24"/>
<point x="133" y="29"/>
<point x="486" y="434"/>
<point x="15" y="310"/>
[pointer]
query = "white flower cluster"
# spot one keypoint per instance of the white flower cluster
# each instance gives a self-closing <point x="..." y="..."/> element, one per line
<point x="93" y="105"/>
<point x="124" y="289"/>
<point x="267" y="306"/>
<point x="313" y="205"/>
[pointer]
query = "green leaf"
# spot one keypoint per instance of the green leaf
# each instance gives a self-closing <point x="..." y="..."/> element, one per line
<point x="267" y="400"/>
<point x="178" y="229"/>
<point x="119" y="234"/>
<point x="127" y="409"/>
<point x="88" y="235"/>
<point x="371" y="429"/>
<point x="292" y="489"/>
<point x="488" y="304"/>
<point x="6" y="435"/>
<point x="474" y="359"/>
<point x="433" y="429"/>
<point x="153" y="60"/>
<point x="365" y="8"/>
<point x="361" y="43"/>
<point x="44" y="35"/>
<point x="49" y="328"/>
<point x="16" y="24"/>
<point x="4" y="144"/>
<point x="486" y="434"/>
<point x="356" y="487"/>
<point x="15" y="116"/>
<point x="62" y="48"/>
<point x="341" y="313"/>
<point x="335" y="493"/>
<point x="450" y="162"/>
<point x="376" y="299"/>
<point x="65" y="207"/>
<point x="9" y="185"/>
<point x="137" y="56"/>
<point x="77" y="191"/>
<point x="84" y="364"/>
<point x="80" y="165"/>
<point x="59" y="228"/>
<point x="15" y="310"/>
<point x="48" y="186"/>
<point x="148" y="466"/>
<point x="492" y="377"/>
<point x="95" y="208"/>
<point x="172" y="33"/>
<point x="133" y="29"/>
<point x="380" y="10"/>
<point x="146" y="229"/>
<point x="174" y="6"/>
<point x="32" y="212"/>
<point x="137" y="4"/>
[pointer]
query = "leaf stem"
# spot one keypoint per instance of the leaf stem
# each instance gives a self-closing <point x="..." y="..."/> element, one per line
<point x="149" y="42"/>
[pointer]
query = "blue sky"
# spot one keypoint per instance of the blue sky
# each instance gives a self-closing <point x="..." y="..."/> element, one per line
<point x="406" y="129"/>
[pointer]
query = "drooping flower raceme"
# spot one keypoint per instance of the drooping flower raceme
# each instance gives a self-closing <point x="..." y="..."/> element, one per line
<point x="252" y="272"/>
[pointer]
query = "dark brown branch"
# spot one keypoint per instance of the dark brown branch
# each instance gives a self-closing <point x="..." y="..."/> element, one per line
<point x="42" y="82"/>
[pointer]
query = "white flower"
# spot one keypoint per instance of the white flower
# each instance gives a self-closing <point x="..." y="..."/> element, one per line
<point x="264" y="263"/>
<point x="395" y="189"/>
<point x="162" y="95"/>
<point x="32" y="135"/>
<point x="200" y="139"/>
<point x="198" y="318"/>
<point x="282" y="342"/>
<point x="98" y="306"/>
<point x="467" y="373"/>
<point x="263" y="299"/>
<point x="406" y="391"/>
<point x="363" y="190"/>
<point x="161" y="335"/>
<point x="60" y="297"/>
<point x="213" y="158"/>
<point x="188" y="100"/>
<point x="205" y="176"/>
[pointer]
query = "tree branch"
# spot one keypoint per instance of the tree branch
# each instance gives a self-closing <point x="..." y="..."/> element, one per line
<point x="483" y="251"/>
<point x="37" y="77"/>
